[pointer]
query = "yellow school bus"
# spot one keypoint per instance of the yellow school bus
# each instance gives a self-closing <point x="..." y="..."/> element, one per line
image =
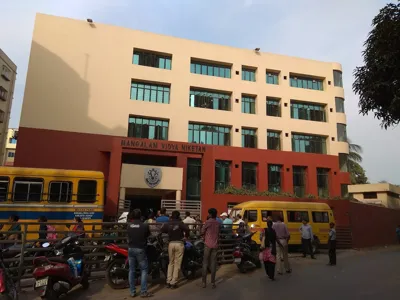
<point x="256" y="213"/>
<point x="59" y="195"/>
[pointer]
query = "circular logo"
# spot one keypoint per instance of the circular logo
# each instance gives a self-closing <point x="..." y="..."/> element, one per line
<point x="152" y="176"/>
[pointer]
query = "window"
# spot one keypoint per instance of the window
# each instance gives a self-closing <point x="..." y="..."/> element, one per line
<point x="3" y="93"/>
<point x="151" y="59"/>
<point x="274" y="214"/>
<point x="211" y="100"/>
<point x="299" y="181"/>
<point x="87" y="191"/>
<point x="272" y="77"/>
<point x="306" y="83"/>
<point x="308" y="143"/>
<point x="27" y="189"/>
<point x="370" y="195"/>
<point x="249" y="176"/>
<point x="273" y="107"/>
<point x="11" y="154"/>
<point x="2" y="115"/>
<point x="249" y="138"/>
<point x="248" y="105"/>
<point x="193" y="182"/>
<point x="307" y="111"/>
<point x="60" y="191"/>
<point x="341" y="132"/>
<point x="297" y="216"/>
<point x="320" y="217"/>
<point x="323" y="182"/>
<point x="6" y="73"/>
<point x="154" y="129"/>
<point x="4" y="183"/>
<point x="344" y="189"/>
<point x="337" y="78"/>
<point x="150" y="92"/>
<point x="197" y="67"/>
<point x="273" y="140"/>
<point x="12" y="140"/>
<point x="248" y="74"/>
<point x="343" y="162"/>
<point x="222" y="174"/>
<point x="209" y="134"/>
<point x="339" y="104"/>
<point x="250" y="215"/>
<point x="274" y="178"/>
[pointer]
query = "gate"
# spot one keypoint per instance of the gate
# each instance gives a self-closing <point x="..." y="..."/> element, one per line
<point x="192" y="206"/>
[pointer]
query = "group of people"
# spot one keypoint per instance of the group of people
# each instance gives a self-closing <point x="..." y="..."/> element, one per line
<point x="178" y="231"/>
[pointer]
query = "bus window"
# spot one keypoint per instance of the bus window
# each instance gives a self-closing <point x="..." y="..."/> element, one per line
<point x="60" y="191"/>
<point x="250" y="215"/>
<point x="27" y="189"/>
<point x="4" y="182"/>
<point x="274" y="214"/>
<point x="297" y="216"/>
<point x="87" y="191"/>
<point x="320" y="217"/>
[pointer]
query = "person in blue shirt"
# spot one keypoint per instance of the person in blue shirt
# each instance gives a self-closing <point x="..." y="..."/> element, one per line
<point x="219" y="221"/>
<point x="163" y="218"/>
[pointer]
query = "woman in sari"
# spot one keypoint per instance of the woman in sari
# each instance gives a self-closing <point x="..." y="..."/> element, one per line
<point x="269" y="253"/>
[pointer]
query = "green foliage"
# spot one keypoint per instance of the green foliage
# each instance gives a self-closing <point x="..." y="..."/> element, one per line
<point x="378" y="82"/>
<point x="357" y="173"/>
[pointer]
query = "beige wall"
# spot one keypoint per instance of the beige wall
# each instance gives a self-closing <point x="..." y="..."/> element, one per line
<point x="6" y="105"/>
<point x="9" y="148"/>
<point x="133" y="176"/>
<point x="79" y="80"/>
<point x="388" y="195"/>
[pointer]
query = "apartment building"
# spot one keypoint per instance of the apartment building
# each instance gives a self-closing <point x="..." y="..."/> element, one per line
<point x="8" y="74"/>
<point x="11" y="145"/>
<point x="169" y="118"/>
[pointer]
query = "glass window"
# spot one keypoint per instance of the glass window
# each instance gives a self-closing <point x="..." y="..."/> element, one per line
<point x="344" y="189"/>
<point x="60" y="191"/>
<point x="306" y="83"/>
<point x="299" y="181"/>
<point x="153" y="129"/>
<point x="151" y="59"/>
<point x="11" y="154"/>
<point x="297" y="216"/>
<point x="3" y="93"/>
<point x="249" y="176"/>
<point x="343" y="162"/>
<point x="87" y="191"/>
<point x="339" y="104"/>
<point x="27" y="189"/>
<point x="320" y="217"/>
<point x="249" y="138"/>
<point x="250" y="215"/>
<point x="272" y="77"/>
<point x="4" y="183"/>
<point x="248" y="74"/>
<point x="147" y="92"/>
<point x="273" y="107"/>
<point x="273" y="140"/>
<point x="370" y="195"/>
<point x="210" y="100"/>
<point x="248" y="105"/>
<point x="210" y="69"/>
<point x="209" y="134"/>
<point x="193" y="182"/>
<point x="12" y="141"/>
<point x="323" y="182"/>
<point x="307" y="111"/>
<point x="222" y="174"/>
<point x="308" y="143"/>
<point x="274" y="214"/>
<point x="341" y="132"/>
<point x="274" y="178"/>
<point x="337" y="78"/>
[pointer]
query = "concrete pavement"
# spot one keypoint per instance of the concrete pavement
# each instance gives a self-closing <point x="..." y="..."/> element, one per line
<point x="369" y="274"/>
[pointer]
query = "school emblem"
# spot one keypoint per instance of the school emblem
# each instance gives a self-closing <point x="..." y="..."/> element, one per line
<point x="152" y="176"/>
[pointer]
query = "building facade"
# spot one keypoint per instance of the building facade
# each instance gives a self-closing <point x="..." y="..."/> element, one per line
<point x="11" y="145"/>
<point x="189" y="119"/>
<point x="385" y="194"/>
<point x="8" y="75"/>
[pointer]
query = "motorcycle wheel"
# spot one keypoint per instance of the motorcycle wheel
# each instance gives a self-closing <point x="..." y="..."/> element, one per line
<point x="50" y="295"/>
<point x="110" y="277"/>
<point x="85" y="282"/>
<point x="242" y="268"/>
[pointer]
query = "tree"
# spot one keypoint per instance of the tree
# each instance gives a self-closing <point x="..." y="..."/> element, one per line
<point x="357" y="172"/>
<point x="378" y="82"/>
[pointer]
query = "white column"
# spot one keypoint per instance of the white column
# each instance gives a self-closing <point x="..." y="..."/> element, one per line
<point x="178" y="200"/>
<point x="121" y="201"/>
<point x="178" y="195"/>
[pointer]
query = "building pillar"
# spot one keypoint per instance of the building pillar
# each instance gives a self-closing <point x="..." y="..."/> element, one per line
<point x="181" y="162"/>
<point x="178" y="195"/>
<point x="121" y="202"/>
<point x="114" y="175"/>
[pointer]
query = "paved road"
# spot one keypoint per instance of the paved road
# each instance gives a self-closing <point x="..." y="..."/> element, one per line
<point x="364" y="275"/>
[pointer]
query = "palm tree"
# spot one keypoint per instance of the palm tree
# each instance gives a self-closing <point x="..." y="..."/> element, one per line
<point x="354" y="152"/>
<point x="357" y="172"/>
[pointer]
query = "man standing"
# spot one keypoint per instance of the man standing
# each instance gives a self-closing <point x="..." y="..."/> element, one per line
<point x="163" y="218"/>
<point x="332" y="245"/>
<point x="176" y="230"/>
<point x="227" y="224"/>
<point x="307" y="238"/>
<point x="282" y="240"/>
<point x="138" y="232"/>
<point x="189" y="220"/>
<point x="210" y="231"/>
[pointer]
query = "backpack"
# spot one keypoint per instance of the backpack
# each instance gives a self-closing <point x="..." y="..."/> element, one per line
<point x="51" y="234"/>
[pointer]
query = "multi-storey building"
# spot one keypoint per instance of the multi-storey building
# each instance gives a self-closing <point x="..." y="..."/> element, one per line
<point x="11" y="145"/>
<point x="8" y="74"/>
<point x="169" y="118"/>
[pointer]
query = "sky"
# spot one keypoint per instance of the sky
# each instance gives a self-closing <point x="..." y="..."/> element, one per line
<point x="332" y="31"/>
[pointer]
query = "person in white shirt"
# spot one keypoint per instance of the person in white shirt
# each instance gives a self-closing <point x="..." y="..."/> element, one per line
<point x="307" y="238"/>
<point x="189" y="220"/>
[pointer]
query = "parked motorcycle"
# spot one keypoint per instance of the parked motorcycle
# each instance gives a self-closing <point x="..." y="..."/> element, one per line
<point x="7" y="284"/>
<point x="246" y="253"/>
<point x="117" y="271"/>
<point x="192" y="258"/>
<point x="55" y="276"/>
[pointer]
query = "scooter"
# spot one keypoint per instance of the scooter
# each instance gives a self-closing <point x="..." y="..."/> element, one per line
<point x="192" y="258"/>
<point x="246" y="253"/>
<point x="7" y="284"/>
<point x="55" y="276"/>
